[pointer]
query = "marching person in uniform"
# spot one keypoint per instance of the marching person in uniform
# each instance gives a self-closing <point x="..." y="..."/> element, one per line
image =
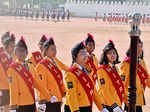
<point x="5" y="59"/>
<point x="90" y="45"/>
<point x="27" y="13"/>
<point x="48" y="15"/>
<point x="142" y="78"/>
<point x="68" y="15"/>
<point x="80" y="87"/>
<point x="109" y="81"/>
<point x="49" y="72"/>
<point x="63" y="15"/>
<point x="37" y="55"/>
<point x="43" y="15"/>
<point x="53" y="15"/>
<point x="22" y="81"/>
<point x="32" y="14"/>
<point x="37" y="15"/>
<point x="8" y="42"/>
<point x="5" y="35"/>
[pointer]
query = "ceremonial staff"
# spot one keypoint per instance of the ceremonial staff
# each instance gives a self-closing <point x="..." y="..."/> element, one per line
<point x="134" y="36"/>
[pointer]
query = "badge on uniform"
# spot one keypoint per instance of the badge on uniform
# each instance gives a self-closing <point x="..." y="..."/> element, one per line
<point x="10" y="79"/>
<point x="69" y="85"/>
<point x="40" y="76"/>
<point x="102" y="81"/>
<point x="123" y="77"/>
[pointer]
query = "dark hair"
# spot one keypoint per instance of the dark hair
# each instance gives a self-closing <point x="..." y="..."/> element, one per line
<point x="46" y="46"/>
<point x="7" y="42"/>
<point x="75" y="50"/>
<point x="104" y="60"/>
<point x="21" y="44"/>
<point x="5" y="35"/>
<point x="128" y="53"/>
<point x="89" y="39"/>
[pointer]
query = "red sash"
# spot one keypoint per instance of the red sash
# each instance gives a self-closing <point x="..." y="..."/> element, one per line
<point x="37" y="56"/>
<point x="4" y="61"/>
<point x="116" y="80"/>
<point x="85" y="81"/>
<point x="91" y="63"/>
<point x="26" y="76"/>
<point x="140" y="71"/>
<point x="57" y="74"/>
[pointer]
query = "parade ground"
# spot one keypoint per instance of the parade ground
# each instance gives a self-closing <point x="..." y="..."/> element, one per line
<point x="67" y="34"/>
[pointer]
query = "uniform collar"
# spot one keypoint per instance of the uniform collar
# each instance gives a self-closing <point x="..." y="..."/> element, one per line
<point x="112" y="65"/>
<point x="52" y="60"/>
<point x="82" y="68"/>
<point x="79" y="66"/>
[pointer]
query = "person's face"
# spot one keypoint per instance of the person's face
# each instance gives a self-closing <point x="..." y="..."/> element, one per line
<point x="11" y="47"/>
<point x="139" y="49"/>
<point x="21" y="54"/>
<point x="111" y="56"/>
<point x="51" y="52"/>
<point x="90" y="47"/>
<point x="82" y="57"/>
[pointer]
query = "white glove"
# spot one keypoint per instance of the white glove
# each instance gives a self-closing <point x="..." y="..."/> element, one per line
<point x="42" y="108"/>
<point x="12" y="111"/>
<point x="54" y="99"/>
<point x="1" y="93"/>
<point x="104" y="110"/>
<point x="117" y="109"/>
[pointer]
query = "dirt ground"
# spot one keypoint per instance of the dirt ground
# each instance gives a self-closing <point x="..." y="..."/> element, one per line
<point x="67" y="34"/>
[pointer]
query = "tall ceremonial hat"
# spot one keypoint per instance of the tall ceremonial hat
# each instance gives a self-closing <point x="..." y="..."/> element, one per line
<point x="109" y="45"/>
<point x="48" y="42"/>
<point x="90" y="38"/>
<point x="7" y="37"/>
<point x="21" y="43"/>
<point x="4" y="37"/>
<point x="75" y="50"/>
<point x="6" y="34"/>
<point x="12" y="37"/>
<point x="43" y="39"/>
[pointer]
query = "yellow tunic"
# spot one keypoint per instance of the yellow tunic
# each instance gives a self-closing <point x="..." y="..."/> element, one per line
<point x="4" y="77"/>
<point x="76" y="97"/>
<point x="19" y="91"/>
<point x="106" y="88"/>
<point x="140" y="90"/>
<point x="95" y="62"/>
<point x="48" y="81"/>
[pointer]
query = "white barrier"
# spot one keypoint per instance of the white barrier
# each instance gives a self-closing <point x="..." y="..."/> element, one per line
<point x="89" y="8"/>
